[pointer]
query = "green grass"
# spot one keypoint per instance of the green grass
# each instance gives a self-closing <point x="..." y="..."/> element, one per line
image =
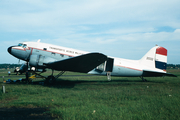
<point x="93" y="97"/>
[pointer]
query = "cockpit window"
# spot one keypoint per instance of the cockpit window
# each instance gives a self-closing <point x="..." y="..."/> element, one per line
<point x="22" y="45"/>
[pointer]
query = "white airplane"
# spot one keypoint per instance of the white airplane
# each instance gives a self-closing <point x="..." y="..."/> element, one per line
<point x="43" y="56"/>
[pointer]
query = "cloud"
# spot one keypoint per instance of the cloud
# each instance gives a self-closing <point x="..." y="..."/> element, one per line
<point x="161" y="36"/>
<point x="83" y="24"/>
<point x="42" y="14"/>
<point x="177" y="31"/>
<point x="104" y="41"/>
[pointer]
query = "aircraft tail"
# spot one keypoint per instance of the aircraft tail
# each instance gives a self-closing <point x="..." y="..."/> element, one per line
<point x="155" y="58"/>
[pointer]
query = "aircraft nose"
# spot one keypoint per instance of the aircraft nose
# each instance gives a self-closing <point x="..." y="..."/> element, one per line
<point x="9" y="49"/>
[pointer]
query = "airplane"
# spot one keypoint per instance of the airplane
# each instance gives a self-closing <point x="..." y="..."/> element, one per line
<point x="42" y="56"/>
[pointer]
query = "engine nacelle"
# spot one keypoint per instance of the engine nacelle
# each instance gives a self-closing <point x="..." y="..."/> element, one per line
<point x="22" y="69"/>
<point x="38" y="61"/>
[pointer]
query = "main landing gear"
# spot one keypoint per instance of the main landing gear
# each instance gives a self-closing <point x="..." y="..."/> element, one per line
<point x="144" y="80"/>
<point x="51" y="79"/>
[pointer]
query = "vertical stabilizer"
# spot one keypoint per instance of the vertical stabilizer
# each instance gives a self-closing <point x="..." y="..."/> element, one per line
<point x="156" y="57"/>
<point x="161" y="58"/>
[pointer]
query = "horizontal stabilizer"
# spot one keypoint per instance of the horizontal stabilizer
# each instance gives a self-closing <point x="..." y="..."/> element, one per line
<point x="156" y="74"/>
<point x="83" y="63"/>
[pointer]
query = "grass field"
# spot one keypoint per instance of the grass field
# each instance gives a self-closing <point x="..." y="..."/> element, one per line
<point x="92" y="97"/>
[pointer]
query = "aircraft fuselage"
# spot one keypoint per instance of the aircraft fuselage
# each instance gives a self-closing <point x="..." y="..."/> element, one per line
<point x="37" y="53"/>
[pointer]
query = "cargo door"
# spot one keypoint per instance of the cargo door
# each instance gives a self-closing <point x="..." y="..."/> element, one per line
<point x="109" y="65"/>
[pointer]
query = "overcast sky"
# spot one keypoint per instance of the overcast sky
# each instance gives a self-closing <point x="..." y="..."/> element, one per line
<point x="118" y="28"/>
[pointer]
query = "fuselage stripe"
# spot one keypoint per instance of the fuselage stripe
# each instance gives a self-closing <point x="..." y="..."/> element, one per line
<point x="51" y="51"/>
<point x="128" y="67"/>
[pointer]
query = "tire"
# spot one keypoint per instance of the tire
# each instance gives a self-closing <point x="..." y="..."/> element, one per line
<point x="50" y="80"/>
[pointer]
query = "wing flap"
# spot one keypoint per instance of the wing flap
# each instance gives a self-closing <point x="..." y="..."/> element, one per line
<point x="83" y="63"/>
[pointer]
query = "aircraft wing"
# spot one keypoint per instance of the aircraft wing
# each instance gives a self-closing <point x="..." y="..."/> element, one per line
<point x="147" y="73"/>
<point x="83" y="63"/>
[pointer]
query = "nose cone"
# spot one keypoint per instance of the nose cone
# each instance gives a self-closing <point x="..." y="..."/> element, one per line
<point x="9" y="49"/>
<point x="18" y="52"/>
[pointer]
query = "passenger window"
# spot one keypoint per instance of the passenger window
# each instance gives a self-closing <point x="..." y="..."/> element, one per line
<point x="53" y="53"/>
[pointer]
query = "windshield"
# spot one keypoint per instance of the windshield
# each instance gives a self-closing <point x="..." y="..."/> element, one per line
<point x="22" y="45"/>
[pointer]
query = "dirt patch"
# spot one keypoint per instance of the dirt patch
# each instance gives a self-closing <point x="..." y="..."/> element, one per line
<point x="24" y="114"/>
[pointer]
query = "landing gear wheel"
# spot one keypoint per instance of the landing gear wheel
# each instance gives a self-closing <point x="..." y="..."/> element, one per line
<point x="50" y="79"/>
<point x="144" y="80"/>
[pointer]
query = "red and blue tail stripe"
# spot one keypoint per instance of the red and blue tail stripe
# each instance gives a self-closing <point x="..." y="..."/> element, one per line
<point x="161" y="58"/>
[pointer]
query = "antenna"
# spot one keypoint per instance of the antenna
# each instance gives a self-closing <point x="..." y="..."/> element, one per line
<point x="39" y="40"/>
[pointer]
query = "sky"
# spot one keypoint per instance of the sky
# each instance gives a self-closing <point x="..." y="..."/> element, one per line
<point x="119" y="28"/>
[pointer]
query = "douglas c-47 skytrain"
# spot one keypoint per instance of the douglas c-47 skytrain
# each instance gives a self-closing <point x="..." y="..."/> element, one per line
<point x="42" y="56"/>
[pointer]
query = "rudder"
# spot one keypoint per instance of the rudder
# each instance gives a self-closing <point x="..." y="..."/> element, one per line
<point x="161" y="58"/>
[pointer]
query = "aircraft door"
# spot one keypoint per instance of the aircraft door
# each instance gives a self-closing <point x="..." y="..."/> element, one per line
<point x="109" y="65"/>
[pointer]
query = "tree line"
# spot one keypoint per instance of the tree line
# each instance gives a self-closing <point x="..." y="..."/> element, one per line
<point x="9" y="66"/>
<point x="173" y="66"/>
